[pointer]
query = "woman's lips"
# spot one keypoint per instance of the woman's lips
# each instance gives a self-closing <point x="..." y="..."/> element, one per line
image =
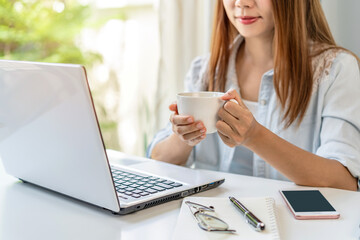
<point x="247" y="20"/>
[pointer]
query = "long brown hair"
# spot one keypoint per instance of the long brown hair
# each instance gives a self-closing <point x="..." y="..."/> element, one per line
<point x="296" y="22"/>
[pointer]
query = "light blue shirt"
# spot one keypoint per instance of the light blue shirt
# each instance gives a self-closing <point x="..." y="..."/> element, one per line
<point x="242" y="162"/>
<point x="330" y="127"/>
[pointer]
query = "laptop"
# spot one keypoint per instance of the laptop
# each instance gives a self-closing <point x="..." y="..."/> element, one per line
<point x="50" y="137"/>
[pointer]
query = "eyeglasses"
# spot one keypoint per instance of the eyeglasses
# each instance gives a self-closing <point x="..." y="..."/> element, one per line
<point x="207" y="221"/>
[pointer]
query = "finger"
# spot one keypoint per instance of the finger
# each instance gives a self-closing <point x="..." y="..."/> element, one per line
<point x="190" y="128"/>
<point x="181" y="120"/>
<point x="228" y="117"/>
<point x="173" y="107"/>
<point x="193" y="135"/>
<point x="231" y="117"/>
<point x="225" y="129"/>
<point x="234" y="109"/>
<point x="233" y="94"/>
<point x="238" y="126"/>
<point x="197" y="140"/>
<point x="171" y="119"/>
<point x="226" y="140"/>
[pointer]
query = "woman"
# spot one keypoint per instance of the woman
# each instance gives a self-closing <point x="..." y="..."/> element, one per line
<point x="297" y="117"/>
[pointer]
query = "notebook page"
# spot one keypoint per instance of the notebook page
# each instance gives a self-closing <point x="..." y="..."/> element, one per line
<point x="263" y="208"/>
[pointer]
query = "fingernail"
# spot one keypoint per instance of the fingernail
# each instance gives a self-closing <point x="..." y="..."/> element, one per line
<point x="189" y="120"/>
<point x="234" y="101"/>
<point x="202" y="130"/>
<point x="199" y="125"/>
<point x="203" y="136"/>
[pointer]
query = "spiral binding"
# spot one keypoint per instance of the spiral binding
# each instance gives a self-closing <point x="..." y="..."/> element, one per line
<point x="273" y="227"/>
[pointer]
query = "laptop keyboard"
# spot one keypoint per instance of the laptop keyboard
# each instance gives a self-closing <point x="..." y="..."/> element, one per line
<point x="129" y="185"/>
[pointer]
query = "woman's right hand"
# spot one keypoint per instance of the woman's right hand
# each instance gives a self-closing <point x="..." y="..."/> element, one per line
<point x="185" y="128"/>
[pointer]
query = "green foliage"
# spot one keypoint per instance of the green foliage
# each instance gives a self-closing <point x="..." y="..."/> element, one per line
<point x="45" y="30"/>
<point x="48" y="31"/>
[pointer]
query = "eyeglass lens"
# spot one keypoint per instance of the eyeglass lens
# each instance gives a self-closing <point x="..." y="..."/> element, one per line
<point x="206" y="221"/>
<point x="211" y="223"/>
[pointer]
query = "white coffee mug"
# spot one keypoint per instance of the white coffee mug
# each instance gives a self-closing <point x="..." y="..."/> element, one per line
<point x="203" y="106"/>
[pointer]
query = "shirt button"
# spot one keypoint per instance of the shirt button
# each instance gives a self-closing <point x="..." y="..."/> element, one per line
<point x="263" y="102"/>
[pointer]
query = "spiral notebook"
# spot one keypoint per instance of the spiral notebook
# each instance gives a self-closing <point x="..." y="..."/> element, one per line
<point x="264" y="208"/>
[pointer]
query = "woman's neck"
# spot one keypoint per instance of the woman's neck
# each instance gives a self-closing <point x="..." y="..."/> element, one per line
<point x="254" y="58"/>
<point x="259" y="52"/>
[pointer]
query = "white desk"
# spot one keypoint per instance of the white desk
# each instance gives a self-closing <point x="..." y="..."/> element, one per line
<point x="28" y="212"/>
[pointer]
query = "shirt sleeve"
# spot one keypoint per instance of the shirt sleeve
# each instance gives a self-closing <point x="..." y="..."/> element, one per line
<point x="340" y="129"/>
<point x="159" y="136"/>
<point x="194" y="81"/>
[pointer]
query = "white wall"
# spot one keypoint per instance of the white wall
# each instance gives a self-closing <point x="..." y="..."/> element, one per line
<point x="344" y="18"/>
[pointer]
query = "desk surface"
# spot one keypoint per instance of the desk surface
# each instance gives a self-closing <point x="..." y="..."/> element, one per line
<point x="29" y="212"/>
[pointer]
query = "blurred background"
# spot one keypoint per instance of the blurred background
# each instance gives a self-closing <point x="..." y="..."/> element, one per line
<point x="136" y="52"/>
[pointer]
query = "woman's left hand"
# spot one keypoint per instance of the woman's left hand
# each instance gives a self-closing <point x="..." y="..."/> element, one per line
<point x="236" y="124"/>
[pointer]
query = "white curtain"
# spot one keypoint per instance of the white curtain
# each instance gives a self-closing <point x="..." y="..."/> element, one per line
<point x="185" y="30"/>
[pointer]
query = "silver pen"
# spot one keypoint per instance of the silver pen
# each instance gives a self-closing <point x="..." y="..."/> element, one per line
<point x="249" y="216"/>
